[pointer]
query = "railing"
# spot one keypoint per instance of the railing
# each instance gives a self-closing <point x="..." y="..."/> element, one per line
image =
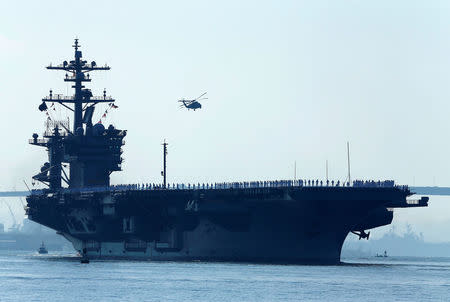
<point x="50" y="133"/>
<point x="39" y="141"/>
<point x="101" y="98"/>
<point x="73" y="78"/>
<point x="60" y="97"/>
<point x="235" y="185"/>
<point x="84" y="66"/>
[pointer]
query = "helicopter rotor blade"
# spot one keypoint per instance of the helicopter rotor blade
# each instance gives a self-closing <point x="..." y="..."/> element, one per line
<point x="200" y="96"/>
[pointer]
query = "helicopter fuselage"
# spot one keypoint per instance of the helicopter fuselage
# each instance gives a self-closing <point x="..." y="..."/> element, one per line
<point x="192" y="105"/>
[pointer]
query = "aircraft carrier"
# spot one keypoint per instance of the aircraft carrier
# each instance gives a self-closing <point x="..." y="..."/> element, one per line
<point x="290" y="221"/>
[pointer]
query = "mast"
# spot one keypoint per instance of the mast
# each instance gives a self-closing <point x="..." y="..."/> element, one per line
<point x="164" y="162"/>
<point x="79" y="70"/>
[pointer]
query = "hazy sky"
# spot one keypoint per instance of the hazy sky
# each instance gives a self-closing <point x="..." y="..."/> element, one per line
<point x="286" y="80"/>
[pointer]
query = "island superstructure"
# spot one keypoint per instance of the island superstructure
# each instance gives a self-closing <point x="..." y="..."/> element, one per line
<point x="294" y="221"/>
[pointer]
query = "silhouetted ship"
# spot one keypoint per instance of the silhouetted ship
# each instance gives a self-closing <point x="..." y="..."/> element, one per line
<point x="293" y="221"/>
<point x="42" y="249"/>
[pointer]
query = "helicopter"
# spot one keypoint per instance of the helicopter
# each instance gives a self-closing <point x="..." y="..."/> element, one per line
<point x="193" y="104"/>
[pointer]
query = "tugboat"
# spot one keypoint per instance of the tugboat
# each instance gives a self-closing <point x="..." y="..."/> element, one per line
<point x="42" y="249"/>
<point x="295" y="221"/>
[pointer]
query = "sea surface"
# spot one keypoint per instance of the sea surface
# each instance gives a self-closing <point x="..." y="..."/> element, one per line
<point x="27" y="276"/>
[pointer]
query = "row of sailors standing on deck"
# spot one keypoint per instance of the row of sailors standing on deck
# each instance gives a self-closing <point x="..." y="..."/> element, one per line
<point x="372" y="183"/>
<point x="226" y="185"/>
<point x="241" y="185"/>
<point x="256" y="184"/>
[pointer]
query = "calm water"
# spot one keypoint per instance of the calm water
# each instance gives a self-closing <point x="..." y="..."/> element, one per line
<point x="60" y="277"/>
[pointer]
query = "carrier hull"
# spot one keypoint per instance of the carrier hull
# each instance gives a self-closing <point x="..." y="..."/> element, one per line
<point x="272" y="225"/>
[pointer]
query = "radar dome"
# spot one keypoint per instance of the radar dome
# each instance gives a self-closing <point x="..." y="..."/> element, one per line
<point x="45" y="167"/>
<point x="98" y="129"/>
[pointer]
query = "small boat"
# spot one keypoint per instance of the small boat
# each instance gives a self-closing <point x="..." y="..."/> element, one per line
<point x="42" y="249"/>
<point x="382" y="255"/>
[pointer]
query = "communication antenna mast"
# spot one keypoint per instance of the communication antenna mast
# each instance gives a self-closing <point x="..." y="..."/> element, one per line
<point x="163" y="173"/>
<point x="79" y="73"/>
<point x="348" y="163"/>
<point x="326" y="164"/>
